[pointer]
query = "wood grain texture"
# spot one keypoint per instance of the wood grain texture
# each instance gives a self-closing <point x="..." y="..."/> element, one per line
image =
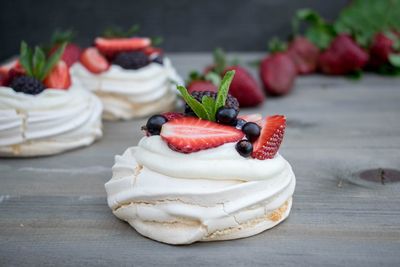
<point x="53" y="210"/>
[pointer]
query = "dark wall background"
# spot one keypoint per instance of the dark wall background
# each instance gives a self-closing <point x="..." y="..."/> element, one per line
<point x="237" y="25"/>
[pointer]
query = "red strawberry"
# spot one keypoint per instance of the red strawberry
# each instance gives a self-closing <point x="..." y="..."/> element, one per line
<point x="3" y="76"/>
<point x="150" y="50"/>
<point x="270" y="138"/>
<point x="189" y="134"/>
<point x="278" y="73"/>
<point x="59" y="77"/>
<point x="343" y="56"/>
<point x="381" y="48"/>
<point x="304" y="55"/>
<point x="200" y="85"/>
<point x="110" y="47"/>
<point x="93" y="60"/>
<point x="71" y="53"/>
<point x="173" y="115"/>
<point x="245" y="88"/>
<point x="15" y="71"/>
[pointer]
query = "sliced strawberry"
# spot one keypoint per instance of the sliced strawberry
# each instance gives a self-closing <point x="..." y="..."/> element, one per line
<point x="71" y="53"/>
<point x="270" y="138"/>
<point x="59" y="77"/>
<point x="110" y="47"/>
<point x="200" y="85"/>
<point x="93" y="60"/>
<point x="189" y="134"/>
<point x="150" y="50"/>
<point x="173" y="115"/>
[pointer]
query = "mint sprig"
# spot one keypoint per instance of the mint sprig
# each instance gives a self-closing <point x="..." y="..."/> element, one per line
<point x="208" y="107"/>
<point x="35" y="62"/>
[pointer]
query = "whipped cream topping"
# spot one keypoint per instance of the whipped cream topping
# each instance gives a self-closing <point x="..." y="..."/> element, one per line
<point x="132" y="93"/>
<point x="208" y="195"/>
<point x="48" y="123"/>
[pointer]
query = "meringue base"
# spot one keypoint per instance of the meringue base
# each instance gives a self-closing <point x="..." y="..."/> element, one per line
<point x="189" y="231"/>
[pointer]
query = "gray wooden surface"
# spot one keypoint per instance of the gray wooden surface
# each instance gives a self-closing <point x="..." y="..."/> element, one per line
<point x="53" y="210"/>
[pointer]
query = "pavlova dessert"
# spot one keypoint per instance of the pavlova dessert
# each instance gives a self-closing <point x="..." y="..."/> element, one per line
<point x="204" y="176"/>
<point x="42" y="111"/>
<point x="131" y="77"/>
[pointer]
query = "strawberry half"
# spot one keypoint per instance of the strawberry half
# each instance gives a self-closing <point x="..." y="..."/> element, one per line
<point x="59" y="77"/>
<point x="270" y="138"/>
<point x="151" y="50"/>
<point x="189" y="134"/>
<point x="110" y="47"/>
<point x="173" y="115"/>
<point x="93" y="60"/>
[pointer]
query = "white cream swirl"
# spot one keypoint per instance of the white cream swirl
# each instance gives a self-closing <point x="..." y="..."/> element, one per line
<point x="128" y="94"/>
<point x="48" y="123"/>
<point x="208" y="195"/>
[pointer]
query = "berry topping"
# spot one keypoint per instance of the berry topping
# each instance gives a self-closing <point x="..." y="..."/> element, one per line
<point x="226" y="116"/>
<point x="27" y="85"/>
<point x="252" y="131"/>
<point x="173" y="115"/>
<point x="231" y="102"/>
<point x="111" y="47"/>
<point x="154" y="124"/>
<point x="131" y="60"/>
<point x="58" y="77"/>
<point x="188" y="134"/>
<point x="93" y="60"/>
<point x="244" y="148"/>
<point x="270" y="139"/>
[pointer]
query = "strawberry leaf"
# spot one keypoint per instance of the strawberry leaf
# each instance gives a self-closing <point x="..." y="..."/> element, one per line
<point x="224" y="89"/>
<point x="195" y="105"/>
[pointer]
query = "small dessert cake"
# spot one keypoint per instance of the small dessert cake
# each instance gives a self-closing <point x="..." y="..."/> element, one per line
<point x="43" y="112"/>
<point x="204" y="177"/>
<point x="132" y="78"/>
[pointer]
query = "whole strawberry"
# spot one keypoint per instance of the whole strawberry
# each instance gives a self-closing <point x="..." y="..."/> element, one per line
<point x="343" y="56"/>
<point x="380" y="49"/>
<point x="304" y="55"/>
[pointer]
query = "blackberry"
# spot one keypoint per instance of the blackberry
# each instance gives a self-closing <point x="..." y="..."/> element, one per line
<point x="231" y="102"/>
<point x="27" y="85"/>
<point x="131" y="60"/>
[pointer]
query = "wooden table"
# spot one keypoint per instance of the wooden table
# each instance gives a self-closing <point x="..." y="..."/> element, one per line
<point x="53" y="210"/>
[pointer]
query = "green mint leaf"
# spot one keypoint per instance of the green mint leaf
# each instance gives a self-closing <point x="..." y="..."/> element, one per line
<point x="224" y="89"/>
<point x="213" y="77"/>
<point x="195" y="105"/>
<point x="219" y="60"/>
<point x="394" y="59"/>
<point x="209" y="105"/>
<point x="38" y="61"/>
<point x="52" y="61"/>
<point x="25" y="58"/>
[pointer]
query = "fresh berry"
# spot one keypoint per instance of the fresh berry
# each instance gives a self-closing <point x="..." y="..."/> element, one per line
<point x="14" y="72"/>
<point x="304" y="55"/>
<point x="59" y="77"/>
<point x="231" y="102"/>
<point x="343" y="56"/>
<point x="173" y="115"/>
<point x="4" y="77"/>
<point x="199" y="85"/>
<point x="240" y="123"/>
<point x="381" y="48"/>
<point x="252" y="131"/>
<point x="226" y="116"/>
<point x="278" y="73"/>
<point x="188" y="134"/>
<point x="154" y="124"/>
<point x="267" y="145"/>
<point x="244" y="148"/>
<point x="158" y="59"/>
<point x="245" y="88"/>
<point x="94" y="61"/>
<point x="71" y="53"/>
<point x="27" y="85"/>
<point x="150" y="50"/>
<point x="131" y="60"/>
<point x="111" y="47"/>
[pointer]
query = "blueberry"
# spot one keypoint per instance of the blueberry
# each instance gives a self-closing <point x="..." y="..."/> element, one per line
<point x="154" y="124"/>
<point x="244" y="148"/>
<point x="226" y="116"/>
<point x="240" y="123"/>
<point x="158" y="59"/>
<point x="251" y="130"/>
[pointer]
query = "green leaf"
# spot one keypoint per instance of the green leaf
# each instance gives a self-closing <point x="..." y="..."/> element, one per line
<point x="116" y="32"/>
<point x="355" y="75"/>
<point x="213" y="77"/>
<point x="157" y="40"/>
<point x="38" y="62"/>
<point x="195" y="105"/>
<point x="25" y="58"/>
<point x="219" y="60"/>
<point x="60" y="36"/>
<point x="209" y="105"/>
<point x="276" y="45"/>
<point x="394" y="59"/>
<point x="224" y="89"/>
<point x="52" y="61"/>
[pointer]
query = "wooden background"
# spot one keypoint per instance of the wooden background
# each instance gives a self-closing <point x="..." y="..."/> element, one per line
<point x="53" y="210"/>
